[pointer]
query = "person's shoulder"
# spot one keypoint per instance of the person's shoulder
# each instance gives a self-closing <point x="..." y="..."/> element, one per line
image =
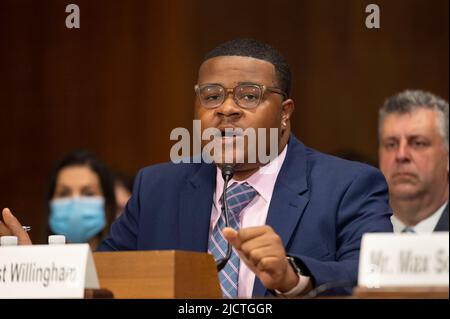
<point x="341" y="176"/>
<point x="170" y="170"/>
<point x="336" y="165"/>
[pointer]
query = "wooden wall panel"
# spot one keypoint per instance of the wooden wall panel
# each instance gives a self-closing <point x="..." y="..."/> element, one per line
<point x="124" y="80"/>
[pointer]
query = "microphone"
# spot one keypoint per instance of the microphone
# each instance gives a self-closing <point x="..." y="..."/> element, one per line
<point x="227" y="174"/>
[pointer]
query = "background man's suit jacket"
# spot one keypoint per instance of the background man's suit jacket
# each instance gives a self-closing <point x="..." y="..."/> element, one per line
<point x="321" y="206"/>
<point x="443" y="223"/>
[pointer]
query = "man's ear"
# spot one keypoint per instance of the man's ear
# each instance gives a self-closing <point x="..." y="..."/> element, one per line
<point x="287" y="108"/>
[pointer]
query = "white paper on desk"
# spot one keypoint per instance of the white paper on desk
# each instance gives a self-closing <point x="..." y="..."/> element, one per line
<point x="404" y="260"/>
<point x="46" y="271"/>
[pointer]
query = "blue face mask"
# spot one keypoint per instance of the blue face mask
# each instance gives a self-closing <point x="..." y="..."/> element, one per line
<point x="77" y="218"/>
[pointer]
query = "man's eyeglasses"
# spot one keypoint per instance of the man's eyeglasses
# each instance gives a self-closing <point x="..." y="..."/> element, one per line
<point x="247" y="96"/>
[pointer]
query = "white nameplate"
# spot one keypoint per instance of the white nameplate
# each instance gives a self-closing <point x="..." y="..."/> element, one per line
<point x="46" y="271"/>
<point x="404" y="260"/>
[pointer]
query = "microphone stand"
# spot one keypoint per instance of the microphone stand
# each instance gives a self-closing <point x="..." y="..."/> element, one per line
<point x="227" y="174"/>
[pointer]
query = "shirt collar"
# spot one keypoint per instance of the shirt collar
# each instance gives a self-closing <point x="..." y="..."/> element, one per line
<point x="263" y="181"/>
<point x="424" y="226"/>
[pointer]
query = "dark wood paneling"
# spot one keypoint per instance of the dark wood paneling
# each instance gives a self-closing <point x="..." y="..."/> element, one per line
<point x="122" y="82"/>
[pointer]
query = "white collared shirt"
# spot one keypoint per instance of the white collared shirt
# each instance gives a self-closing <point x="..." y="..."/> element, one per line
<point x="425" y="226"/>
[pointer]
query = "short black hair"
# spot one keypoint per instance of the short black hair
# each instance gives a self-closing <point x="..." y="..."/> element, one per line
<point x="255" y="49"/>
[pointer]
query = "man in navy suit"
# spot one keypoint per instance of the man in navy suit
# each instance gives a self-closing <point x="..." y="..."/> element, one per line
<point x="309" y="206"/>
<point x="304" y="213"/>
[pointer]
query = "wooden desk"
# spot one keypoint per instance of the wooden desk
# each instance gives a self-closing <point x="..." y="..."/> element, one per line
<point x="158" y="274"/>
<point x="98" y="294"/>
<point x="401" y="293"/>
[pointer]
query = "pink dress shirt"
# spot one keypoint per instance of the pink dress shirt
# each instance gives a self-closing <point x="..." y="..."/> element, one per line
<point x="255" y="214"/>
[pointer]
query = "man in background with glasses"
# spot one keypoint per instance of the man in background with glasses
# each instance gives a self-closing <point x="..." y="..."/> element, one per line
<point x="295" y="223"/>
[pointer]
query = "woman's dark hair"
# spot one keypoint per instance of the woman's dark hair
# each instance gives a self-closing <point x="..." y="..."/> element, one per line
<point x="84" y="158"/>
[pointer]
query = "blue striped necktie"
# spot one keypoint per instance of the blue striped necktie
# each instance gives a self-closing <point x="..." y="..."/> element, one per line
<point x="238" y="197"/>
<point x="408" y="230"/>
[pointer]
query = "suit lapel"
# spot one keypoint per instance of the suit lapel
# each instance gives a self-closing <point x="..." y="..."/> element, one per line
<point x="443" y="223"/>
<point x="289" y="199"/>
<point x="195" y="209"/>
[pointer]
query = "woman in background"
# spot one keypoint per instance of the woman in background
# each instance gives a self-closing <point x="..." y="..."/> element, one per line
<point x="81" y="201"/>
<point x="123" y="188"/>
